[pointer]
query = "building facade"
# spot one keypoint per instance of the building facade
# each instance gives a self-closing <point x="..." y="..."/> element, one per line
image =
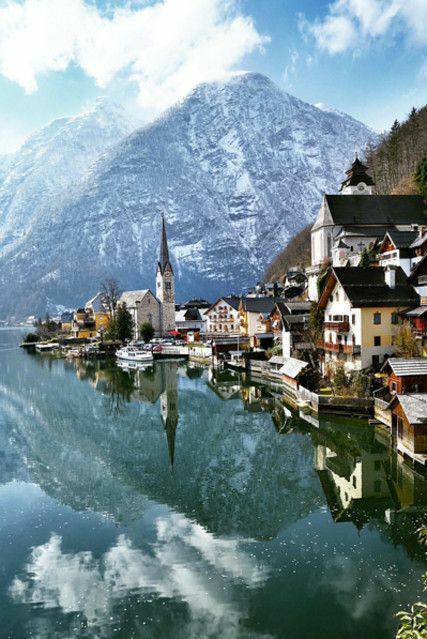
<point x="362" y="307"/>
<point x="223" y="316"/>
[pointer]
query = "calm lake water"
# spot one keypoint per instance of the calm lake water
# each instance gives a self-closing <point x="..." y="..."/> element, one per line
<point x="173" y="503"/>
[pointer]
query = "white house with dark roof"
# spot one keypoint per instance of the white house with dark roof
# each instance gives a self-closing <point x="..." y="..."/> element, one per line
<point x="223" y="316"/>
<point x="362" y="308"/>
<point x="348" y="222"/>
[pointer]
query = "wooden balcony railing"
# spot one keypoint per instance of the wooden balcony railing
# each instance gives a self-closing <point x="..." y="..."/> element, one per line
<point x="340" y="327"/>
<point x="349" y="349"/>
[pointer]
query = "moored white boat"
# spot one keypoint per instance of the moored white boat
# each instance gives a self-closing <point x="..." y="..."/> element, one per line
<point x="134" y="354"/>
<point x="45" y="347"/>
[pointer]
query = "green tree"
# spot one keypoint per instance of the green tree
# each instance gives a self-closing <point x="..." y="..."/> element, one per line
<point x="146" y="332"/>
<point x="124" y="323"/>
<point x="405" y="342"/>
<point x="421" y="176"/>
<point x="365" y="259"/>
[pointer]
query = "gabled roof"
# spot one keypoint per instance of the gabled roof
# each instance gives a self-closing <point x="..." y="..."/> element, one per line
<point x="417" y="312"/>
<point x="419" y="241"/>
<point x="259" y="304"/>
<point x="402" y="366"/>
<point x="292" y="367"/>
<point x="414" y="405"/>
<point x="130" y="298"/>
<point x="401" y="239"/>
<point x="365" y="286"/>
<point x="97" y="303"/>
<point x="376" y="210"/>
<point x="231" y="300"/>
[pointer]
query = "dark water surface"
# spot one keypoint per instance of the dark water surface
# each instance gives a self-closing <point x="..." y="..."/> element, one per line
<point x="173" y="503"/>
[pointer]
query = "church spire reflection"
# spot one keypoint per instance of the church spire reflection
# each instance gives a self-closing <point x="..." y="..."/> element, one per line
<point x="169" y="406"/>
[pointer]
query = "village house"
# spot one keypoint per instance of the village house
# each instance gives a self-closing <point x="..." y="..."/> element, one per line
<point x="288" y="321"/>
<point x="83" y="325"/>
<point x="98" y="309"/>
<point x="223" y="316"/>
<point x="409" y="425"/>
<point x="66" y="321"/>
<point x="254" y="319"/>
<point x="190" y="320"/>
<point x="145" y="307"/>
<point x="362" y="308"/>
<point x="356" y="219"/>
<point x="395" y="250"/>
<point x="406" y="375"/>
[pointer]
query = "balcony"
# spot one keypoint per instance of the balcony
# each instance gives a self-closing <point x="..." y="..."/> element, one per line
<point x="338" y="326"/>
<point x="349" y="349"/>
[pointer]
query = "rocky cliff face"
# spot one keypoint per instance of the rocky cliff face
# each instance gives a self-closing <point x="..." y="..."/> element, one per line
<point x="236" y="168"/>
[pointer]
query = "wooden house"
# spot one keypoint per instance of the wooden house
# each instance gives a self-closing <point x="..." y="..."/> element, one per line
<point x="409" y="425"/>
<point x="406" y="375"/>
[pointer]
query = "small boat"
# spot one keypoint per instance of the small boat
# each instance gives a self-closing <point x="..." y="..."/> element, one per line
<point x="47" y="346"/>
<point x="134" y="354"/>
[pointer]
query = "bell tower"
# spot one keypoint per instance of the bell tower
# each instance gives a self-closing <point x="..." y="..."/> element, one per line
<point x="358" y="181"/>
<point x="165" y="285"/>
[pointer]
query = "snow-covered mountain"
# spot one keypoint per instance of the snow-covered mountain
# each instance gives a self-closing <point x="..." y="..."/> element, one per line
<point x="237" y="168"/>
<point x="51" y="162"/>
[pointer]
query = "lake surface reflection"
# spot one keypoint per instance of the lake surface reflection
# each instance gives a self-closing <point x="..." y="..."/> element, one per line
<point x="174" y="502"/>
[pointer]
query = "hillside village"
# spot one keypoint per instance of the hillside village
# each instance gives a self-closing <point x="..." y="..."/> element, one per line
<point x="347" y="334"/>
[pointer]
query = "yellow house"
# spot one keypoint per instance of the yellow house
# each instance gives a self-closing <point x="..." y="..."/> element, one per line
<point x="253" y="317"/>
<point x="98" y="310"/>
<point x="362" y="307"/>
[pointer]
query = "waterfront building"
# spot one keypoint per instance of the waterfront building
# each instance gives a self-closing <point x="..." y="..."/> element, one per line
<point x="406" y="375"/>
<point x="362" y="308"/>
<point x="190" y="320"/>
<point x="288" y="324"/>
<point x="409" y="425"/>
<point x="223" y="316"/>
<point x="356" y="219"/>
<point x="254" y="320"/>
<point x="66" y="321"/>
<point x="144" y="306"/>
<point x="83" y="324"/>
<point x="97" y="307"/>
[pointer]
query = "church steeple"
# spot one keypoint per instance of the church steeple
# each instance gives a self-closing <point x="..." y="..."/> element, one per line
<point x="358" y="181"/>
<point x="164" y="250"/>
<point x="165" y="285"/>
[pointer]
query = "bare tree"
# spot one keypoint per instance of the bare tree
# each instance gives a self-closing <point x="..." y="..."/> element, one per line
<point x="111" y="292"/>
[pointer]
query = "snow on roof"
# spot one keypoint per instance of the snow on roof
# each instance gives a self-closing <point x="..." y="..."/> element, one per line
<point x="402" y="367"/>
<point x="130" y="298"/>
<point x="276" y="359"/>
<point x="292" y="367"/>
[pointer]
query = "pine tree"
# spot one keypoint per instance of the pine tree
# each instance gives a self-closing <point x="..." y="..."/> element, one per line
<point x="124" y="323"/>
<point x="421" y="176"/>
<point x="365" y="259"/>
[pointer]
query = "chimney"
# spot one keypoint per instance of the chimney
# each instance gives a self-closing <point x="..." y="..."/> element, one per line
<point x="390" y="276"/>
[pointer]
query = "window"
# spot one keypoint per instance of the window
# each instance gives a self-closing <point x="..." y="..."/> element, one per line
<point x="377" y="318"/>
<point x="377" y="340"/>
<point x="353" y="319"/>
<point x="394" y="318"/>
<point x="337" y="296"/>
<point x="354" y="481"/>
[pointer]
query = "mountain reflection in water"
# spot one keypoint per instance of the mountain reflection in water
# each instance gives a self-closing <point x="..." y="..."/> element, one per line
<point x="175" y="501"/>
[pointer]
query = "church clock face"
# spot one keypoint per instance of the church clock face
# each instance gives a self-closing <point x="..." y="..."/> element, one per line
<point x="361" y="187"/>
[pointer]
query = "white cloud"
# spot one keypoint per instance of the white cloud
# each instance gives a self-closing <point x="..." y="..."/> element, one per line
<point x="186" y="562"/>
<point x="353" y="23"/>
<point x="166" y="47"/>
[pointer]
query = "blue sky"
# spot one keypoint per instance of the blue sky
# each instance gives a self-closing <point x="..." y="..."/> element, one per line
<point x="365" y="57"/>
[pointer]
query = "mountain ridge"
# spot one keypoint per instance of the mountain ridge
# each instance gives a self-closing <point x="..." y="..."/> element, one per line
<point x="236" y="167"/>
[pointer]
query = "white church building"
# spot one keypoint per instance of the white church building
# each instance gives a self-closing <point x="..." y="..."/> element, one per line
<point x="158" y="310"/>
<point x="357" y="218"/>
